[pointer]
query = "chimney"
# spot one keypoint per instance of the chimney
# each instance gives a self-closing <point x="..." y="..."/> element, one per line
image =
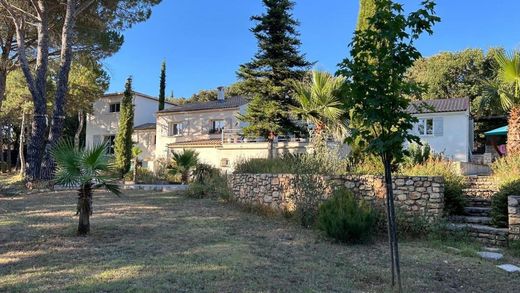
<point x="221" y="96"/>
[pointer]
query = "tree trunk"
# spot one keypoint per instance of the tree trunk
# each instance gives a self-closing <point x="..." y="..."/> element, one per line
<point x="58" y="116"/>
<point x="134" y="176"/>
<point x="513" y="132"/>
<point x="84" y="208"/>
<point x="5" y="60"/>
<point x="21" y="156"/>
<point x="9" y="147"/>
<point x="392" y="226"/>
<point x="1" y="142"/>
<point x="77" y="135"/>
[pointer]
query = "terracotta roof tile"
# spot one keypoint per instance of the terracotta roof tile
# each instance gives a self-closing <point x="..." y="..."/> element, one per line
<point x="438" y="105"/>
<point x="231" y="102"/>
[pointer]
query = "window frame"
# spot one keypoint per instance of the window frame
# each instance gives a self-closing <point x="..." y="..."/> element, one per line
<point x="214" y="129"/>
<point x="117" y="107"/>
<point x="179" y="129"/>
<point x="424" y="123"/>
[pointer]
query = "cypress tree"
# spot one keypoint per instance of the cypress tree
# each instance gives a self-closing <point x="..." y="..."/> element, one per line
<point x="123" y="141"/>
<point x="269" y="75"/>
<point x="162" y="86"/>
<point x="367" y="9"/>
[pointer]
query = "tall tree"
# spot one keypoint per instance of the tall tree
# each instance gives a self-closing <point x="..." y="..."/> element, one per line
<point x="162" y="86"/>
<point x="377" y="89"/>
<point x="367" y="9"/>
<point x="270" y="74"/>
<point x="123" y="142"/>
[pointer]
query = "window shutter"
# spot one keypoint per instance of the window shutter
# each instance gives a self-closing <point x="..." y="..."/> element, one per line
<point x="438" y="126"/>
<point x="96" y="140"/>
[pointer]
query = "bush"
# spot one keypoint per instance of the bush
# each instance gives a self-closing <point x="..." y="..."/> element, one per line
<point x="145" y="176"/>
<point x="454" y="200"/>
<point x="307" y="197"/>
<point x="208" y="182"/>
<point x="506" y="169"/>
<point x="412" y="226"/>
<point x="514" y="247"/>
<point x="369" y="165"/>
<point x="345" y="218"/>
<point x="417" y="154"/>
<point x="499" y="213"/>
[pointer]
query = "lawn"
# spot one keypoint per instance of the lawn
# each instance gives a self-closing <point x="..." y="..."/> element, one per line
<point x="166" y="242"/>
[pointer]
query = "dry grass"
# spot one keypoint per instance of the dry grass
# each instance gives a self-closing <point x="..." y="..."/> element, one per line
<point x="166" y="242"/>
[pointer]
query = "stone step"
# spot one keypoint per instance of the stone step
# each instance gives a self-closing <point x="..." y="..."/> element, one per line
<point x="470" y="220"/>
<point x="477" y="211"/>
<point x="478" y="202"/>
<point x="484" y="234"/>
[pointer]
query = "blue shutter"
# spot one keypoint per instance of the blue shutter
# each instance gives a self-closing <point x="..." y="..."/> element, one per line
<point x="438" y="126"/>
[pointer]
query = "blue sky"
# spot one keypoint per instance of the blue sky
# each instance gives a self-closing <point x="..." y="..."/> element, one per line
<point x="204" y="41"/>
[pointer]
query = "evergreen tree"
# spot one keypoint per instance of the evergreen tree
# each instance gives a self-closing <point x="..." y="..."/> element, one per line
<point x="162" y="86"/>
<point x="123" y="142"/>
<point x="367" y="9"/>
<point x="270" y="74"/>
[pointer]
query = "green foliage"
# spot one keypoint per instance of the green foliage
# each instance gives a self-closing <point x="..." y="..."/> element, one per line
<point x="268" y="76"/>
<point x="83" y="167"/>
<point x="123" y="142"/>
<point x="454" y="200"/>
<point x="162" y="86"/>
<point x="368" y="165"/>
<point x="506" y="169"/>
<point x="345" y="218"/>
<point x="319" y="104"/>
<point x="514" y="247"/>
<point x="208" y="182"/>
<point x="367" y="9"/>
<point x="183" y="163"/>
<point x="417" y="154"/>
<point x="499" y="213"/>
<point x="375" y="74"/>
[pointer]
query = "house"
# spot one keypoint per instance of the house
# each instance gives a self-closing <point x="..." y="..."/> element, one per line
<point x="446" y="125"/>
<point x="103" y="123"/>
<point x="214" y="131"/>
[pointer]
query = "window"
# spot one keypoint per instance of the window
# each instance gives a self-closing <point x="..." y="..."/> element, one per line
<point x="217" y="126"/>
<point x="425" y="126"/>
<point x="114" y="108"/>
<point x="109" y="139"/>
<point x="174" y="129"/>
<point x="154" y="140"/>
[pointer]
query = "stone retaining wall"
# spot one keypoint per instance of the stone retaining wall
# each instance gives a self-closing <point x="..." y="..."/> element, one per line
<point x="513" y="208"/>
<point x="417" y="195"/>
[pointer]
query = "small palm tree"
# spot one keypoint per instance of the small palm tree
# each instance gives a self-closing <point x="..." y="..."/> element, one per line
<point x="319" y="103"/>
<point x="136" y="151"/>
<point x="87" y="169"/>
<point x="184" y="162"/>
<point x="505" y="91"/>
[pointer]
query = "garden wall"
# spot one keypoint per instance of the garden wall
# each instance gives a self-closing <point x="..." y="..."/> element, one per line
<point x="417" y="195"/>
<point x="513" y="208"/>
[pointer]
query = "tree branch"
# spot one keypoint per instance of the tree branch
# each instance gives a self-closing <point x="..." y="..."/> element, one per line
<point x="83" y="7"/>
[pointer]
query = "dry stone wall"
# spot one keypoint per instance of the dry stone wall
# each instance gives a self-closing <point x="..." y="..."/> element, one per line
<point x="513" y="207"/>
<point x="417" y="195"/>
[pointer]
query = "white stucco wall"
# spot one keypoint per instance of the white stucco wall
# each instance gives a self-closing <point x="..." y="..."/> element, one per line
<point x="455" y="141"/>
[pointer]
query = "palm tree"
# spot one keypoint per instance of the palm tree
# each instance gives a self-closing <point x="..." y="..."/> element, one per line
<point x="505" y="91"/>
<point x="87" y="169"/>
<point x="184" y="162"/>
<point x="136" y="151"/>
<point x="320" y="105"/>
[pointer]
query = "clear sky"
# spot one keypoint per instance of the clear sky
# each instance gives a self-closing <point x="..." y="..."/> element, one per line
<point x="204" y="41"/>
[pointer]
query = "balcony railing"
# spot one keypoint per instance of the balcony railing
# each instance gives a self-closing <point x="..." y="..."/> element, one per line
<point x="237" y="136"/>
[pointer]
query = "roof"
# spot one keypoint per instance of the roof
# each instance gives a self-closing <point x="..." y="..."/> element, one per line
<point x="438" y="106"/>
<point x="117" y="94"/>
<point x="499" y="131"/>
<point x="145" y="126"/>
<point x="199" y="143"/>
<point x="231" y="102"/>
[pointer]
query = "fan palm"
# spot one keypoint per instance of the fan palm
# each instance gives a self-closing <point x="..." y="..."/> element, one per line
<point x="184" y="162"/>
<point x="505" y="91"/>
<point x="135" y="155"/>
<point x="320" y="105"/>
<point x="87" y="169"/>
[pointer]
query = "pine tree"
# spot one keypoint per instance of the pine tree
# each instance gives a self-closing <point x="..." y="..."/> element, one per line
<point x="123" y="142"/>
<point x="367" y="9"/>
<point x="162" y="86"/>
<point x="270" y="74"/>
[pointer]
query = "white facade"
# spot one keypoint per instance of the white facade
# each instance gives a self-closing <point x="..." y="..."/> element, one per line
<point x="103" y="123"/>
<point x="449" y="133"/>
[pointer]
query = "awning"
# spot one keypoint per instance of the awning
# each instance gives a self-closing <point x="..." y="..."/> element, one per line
<point x="497" y="132"/>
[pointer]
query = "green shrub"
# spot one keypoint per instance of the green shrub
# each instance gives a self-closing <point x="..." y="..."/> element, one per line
<point x="506" y="169"/>
<point x="417" y="154"/>
<point x="208" y="182"/>
<point x="345" y="218"/>
<point x="454" y="200"/>
<point x="368" y="165"/>
<point x="307" y="197"/>
<point x="499" y="213"/>
<point x="514" y="247"/>
<point x="412" y="226"/>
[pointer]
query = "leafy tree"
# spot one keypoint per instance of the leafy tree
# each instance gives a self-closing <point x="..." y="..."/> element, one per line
<point x="319" y="103"/>
<point x="162" y="86"/>
<point x="184" y="162"/>
<point x="87" y="168"/>
<point x="269" y="75"/>
<point x="377" y="89"/>
<point x="367" y="9"/>
<point x="236" y="89"/>
<point x="123" y="141"/>
<point x="505" y="91"/>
